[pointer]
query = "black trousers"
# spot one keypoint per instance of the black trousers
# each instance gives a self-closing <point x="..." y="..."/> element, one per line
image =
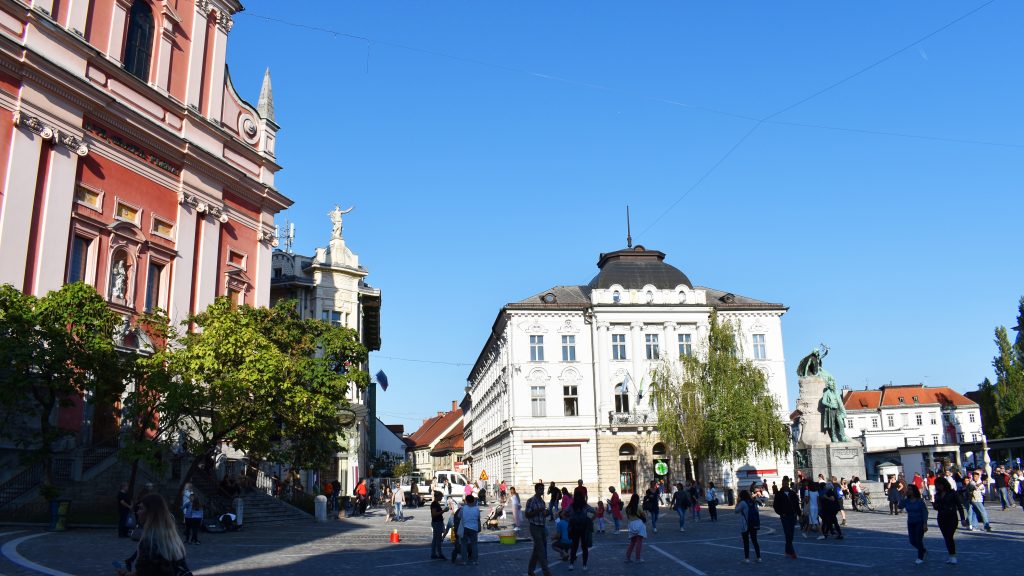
<point x="947" y="525"/>
<point x="750" y="537"/>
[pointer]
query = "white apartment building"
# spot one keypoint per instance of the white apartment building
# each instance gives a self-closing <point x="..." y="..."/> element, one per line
<point x="559" y="391"/>
<point x="331" y="286"/>
<point x="910" y="425"/>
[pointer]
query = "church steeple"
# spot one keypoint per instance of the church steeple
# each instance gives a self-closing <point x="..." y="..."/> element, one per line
<point x="265" y="106"/>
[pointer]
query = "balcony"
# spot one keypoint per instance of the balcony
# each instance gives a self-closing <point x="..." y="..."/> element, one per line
<point x="635" y="418"/>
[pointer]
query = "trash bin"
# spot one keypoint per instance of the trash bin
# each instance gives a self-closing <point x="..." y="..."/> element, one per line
<point x="343" y="509"/>
<point x="729" y="497"/>
<point x="59" y="515"/>
<point x="320" y="508"/>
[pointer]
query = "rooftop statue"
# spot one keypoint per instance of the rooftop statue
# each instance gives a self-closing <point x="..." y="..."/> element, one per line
<point x="336" y="215"/>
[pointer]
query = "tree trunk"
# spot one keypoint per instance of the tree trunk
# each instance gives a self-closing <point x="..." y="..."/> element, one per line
<point x="689" y="457"/>
<point x="132" y="477"/>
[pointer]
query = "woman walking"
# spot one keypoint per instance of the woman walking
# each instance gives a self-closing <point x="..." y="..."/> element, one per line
<point x="750" y="522"/>
<point x="694" y="490"/>
<point x="160" y="548"/>
<point x="517" y="509"/>
<point x="680" y="502"/>
<point x="637" y="528"/>
<point x="917" y="520"/>
<point x="581" y="529"/>
<point x="949" y="509"/>
<point x="711" y="497"/>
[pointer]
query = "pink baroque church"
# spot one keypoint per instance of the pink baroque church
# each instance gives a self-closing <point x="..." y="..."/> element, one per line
<point x="129" y="161"/>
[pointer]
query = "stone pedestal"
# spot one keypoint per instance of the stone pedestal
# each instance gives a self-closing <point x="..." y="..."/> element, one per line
<point x="839" y="459"/>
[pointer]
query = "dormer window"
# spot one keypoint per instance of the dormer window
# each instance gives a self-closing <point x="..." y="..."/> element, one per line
<point x="901" y="400"/>
<point x="916" y="400"/>
<point x="616" y="297"/>
<point x="139" y="45"/>
<point x="650" y="297"/>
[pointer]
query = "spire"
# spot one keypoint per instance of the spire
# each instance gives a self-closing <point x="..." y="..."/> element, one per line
<point x="629" y="238"/>
<point x="265" y="107"/>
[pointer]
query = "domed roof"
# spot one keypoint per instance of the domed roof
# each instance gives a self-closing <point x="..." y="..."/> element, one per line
<point x="634" y="268"/>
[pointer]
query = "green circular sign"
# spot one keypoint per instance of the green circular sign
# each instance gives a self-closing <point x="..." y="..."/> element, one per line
<point x="661" y="468"/>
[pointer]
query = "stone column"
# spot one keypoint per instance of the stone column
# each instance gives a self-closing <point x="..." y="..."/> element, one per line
<point x="78" y="14"/>
<point x="207" y="283"/>
<point x="671" y="347"/>
<point x="55" y="221"/>
<point x="16" y="215"/>
<point x="164" y="48"/>
<point x="196" y="54"/>
<point x="215" y="96"/>
<point x="180" y="297"/>
<point x="118" y="30"/>
<point x="636" y="349"/>
<point x="602" y="349"/>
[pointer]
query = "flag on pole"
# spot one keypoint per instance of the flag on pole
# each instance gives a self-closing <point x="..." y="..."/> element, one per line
<point x="625" y="384"/>
<point x="640" y="392"/>
<point x="382" y="379"/>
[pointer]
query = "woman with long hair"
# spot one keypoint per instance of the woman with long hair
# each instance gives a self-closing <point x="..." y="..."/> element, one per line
<point x="160" y="550"/>
<point x="581" y="528"/>
<point x="637" y="527"/>
<point x="917" y="520"/>
<point x="949" y="509"/>
<point x="750" y="523"/>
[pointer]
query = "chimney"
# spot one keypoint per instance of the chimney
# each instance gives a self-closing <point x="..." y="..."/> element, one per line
<point x="455" y="406"/>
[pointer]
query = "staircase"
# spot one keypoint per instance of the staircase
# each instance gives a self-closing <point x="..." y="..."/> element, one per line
<point x="96" y="454"/>
<point x="20" y="484"/>
<point x="260" y="509"/>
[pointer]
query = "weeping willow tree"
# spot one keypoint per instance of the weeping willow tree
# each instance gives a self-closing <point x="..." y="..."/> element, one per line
<point x="714" y="405"/>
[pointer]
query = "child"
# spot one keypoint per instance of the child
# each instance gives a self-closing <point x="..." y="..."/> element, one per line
<point x="917" y="520"/>
<point x="599" y="517"/>
<point x="637" y="528"/>
<point x="561" y="541"/>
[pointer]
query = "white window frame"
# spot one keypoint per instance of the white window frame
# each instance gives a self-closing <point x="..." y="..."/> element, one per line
<point x="153" y="219"/>
<point x="685" y="344"/>
<point x="98" y="207"/>
<point x="538" y="401"/>
<point x="138" y="212"/>
<point x="919" y="419"/>
<point x="570" y="396"/>
<point x="536" y="348"/>
<point x="164" y="287"/>
<point x="874" y="422"/>
<point x="652" y="346"/>
<point x="619" y="347"/>
<point x="568" y="348"/>
<point x="760" y="348"/>
<point x="891" y="420"/>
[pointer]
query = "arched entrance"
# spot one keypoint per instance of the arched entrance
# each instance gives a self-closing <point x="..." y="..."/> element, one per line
<point x="660" y="464"/>
<point x="627" y="468"/>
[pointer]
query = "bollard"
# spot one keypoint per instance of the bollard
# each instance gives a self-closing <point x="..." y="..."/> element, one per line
<point x="321" y="508"/>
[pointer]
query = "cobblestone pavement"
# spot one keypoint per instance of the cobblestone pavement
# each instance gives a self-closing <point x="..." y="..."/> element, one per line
<point x="873" y="542"/>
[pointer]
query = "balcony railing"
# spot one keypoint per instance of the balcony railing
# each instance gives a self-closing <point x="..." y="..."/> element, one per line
<point x="635" y="418"/>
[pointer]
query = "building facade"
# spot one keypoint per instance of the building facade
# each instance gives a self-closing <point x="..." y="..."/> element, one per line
<point x="331" y="286"/>
<point x="424" y="441"/>
<point x="130" y="162"/>
<point x="911" y="426"/>
<point x="557" y="393"/>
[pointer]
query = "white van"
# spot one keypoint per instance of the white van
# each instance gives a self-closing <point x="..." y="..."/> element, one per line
<point x="458" y="483"/>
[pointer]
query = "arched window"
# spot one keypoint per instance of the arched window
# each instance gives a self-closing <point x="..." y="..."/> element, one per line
<point x="659" y="449"/>
<point x="627" y="450"/>
<point x="621" y="398"/>
<point x="139" y="46"/>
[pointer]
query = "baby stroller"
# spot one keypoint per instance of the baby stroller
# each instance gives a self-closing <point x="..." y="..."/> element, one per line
<point x="497" y="512"/>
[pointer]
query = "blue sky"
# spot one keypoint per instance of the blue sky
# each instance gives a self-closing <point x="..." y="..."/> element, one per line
<point x="490" y="150"/>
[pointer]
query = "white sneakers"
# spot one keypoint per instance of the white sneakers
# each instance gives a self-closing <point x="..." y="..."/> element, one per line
<point x="655" y="530"/>
<point x="682" y="529"/>
<point x="918" y="561"/>
<point x="820" y="537"/>
<point x="951" y="560"/>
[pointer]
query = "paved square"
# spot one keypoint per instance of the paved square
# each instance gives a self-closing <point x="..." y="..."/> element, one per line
<point x="874" y="542"/>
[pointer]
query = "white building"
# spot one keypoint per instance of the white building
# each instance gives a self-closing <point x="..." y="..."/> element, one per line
<point x="557" y="392"/>
<point x="331" y="286"/>
<point x="912" y="426"/>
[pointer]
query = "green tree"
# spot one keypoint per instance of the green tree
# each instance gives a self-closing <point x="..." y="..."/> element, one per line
<point x="991" y="423"/>
<point x="1009" y="386"/>
<point x="716" y="406"/>
<point x="54" y="349"/>
<point x="263" y="379"/>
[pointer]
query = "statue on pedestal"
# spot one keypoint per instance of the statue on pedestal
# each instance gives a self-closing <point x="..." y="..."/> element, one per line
<point x="336" y="215"/>
<point x="833" y="412"/>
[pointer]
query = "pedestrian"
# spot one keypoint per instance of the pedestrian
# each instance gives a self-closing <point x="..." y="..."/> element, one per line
<point x="556" y="496"/>
<point x="787" y="506"/>
<point x="561" y="540"/>
<point x="929" y="487"/>
<point x="775" y="488"/>
<point x="469" y="528"/>
<point x="336" y="488"/>
<point x="855" y="493"/>
<point x="437" y="526"/>
<point x="917" y="519"/>
<point x="456" y="522"/>
<point x="414" y="495"/>
<point x="841" y="494"/>
<point x="1001" y="482"/>
<point x="536" y="514"/>
<point x="893" y="495"/>
<point x="975" y="490"/>
<point x="711" y="497"/>
<point x="829" y="509"/>
<point x="750" y="523"/>
<point x="695" y="494"/>
<point x="948" y="506"/>
<point x="398" y="501"/>
<point x="160" y="549"/>
<point x="637" y="528"/>
<point x="581" y="528"/>
<point x="813" y="507"/>
<point x="503" y="487"/>
<point x="566" y="500"/>
<point x="650" y="504"/>
<point x="580" y="489"/>
<point x="192" y="512"/>
<point x="517" y="509"/>
<point x="681" y="503"/>
<point x="329" y="494"/>
<point x="361" y="501"/>
<point x="124" y="510"/>
<point x="615" y="508"/>
<point x="599" y="517"/>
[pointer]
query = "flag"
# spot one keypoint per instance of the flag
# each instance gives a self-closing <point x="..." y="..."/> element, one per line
<point x="382" y="379"/>
<point x="640" y="392"/>
<point x="625" y="384"/>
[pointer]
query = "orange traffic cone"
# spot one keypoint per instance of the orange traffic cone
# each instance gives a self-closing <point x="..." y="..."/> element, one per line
<point x="395" y="538"/>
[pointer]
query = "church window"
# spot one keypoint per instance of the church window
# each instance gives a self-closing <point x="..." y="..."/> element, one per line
<point x="760" y="352"/>
<point x="652" y="346"/>
<point x="536" y="348"/>
<point x="139" y="45"/>
<point x="568" y="348"/>
<point x="162" y="228"/>
<point x="154" y="286"/>
<point x="88" y="197"/>
<point x="618" y="346"/>
<point x="571" y="401"/>
<point x="236" y="259"/>
<point x="78" y="263"/>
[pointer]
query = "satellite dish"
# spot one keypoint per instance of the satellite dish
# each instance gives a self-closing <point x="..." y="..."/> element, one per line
<point x="346" y="417"/>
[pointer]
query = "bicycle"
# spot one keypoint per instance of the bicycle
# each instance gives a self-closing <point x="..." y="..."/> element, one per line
<point x="865" y="501"/>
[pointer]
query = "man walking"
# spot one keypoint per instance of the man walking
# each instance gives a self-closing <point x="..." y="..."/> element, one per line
<point x="975" y="490"/>
<point x="787" y="506"/>
<point x="437" y="525"/>
<point x="536" y="513"/>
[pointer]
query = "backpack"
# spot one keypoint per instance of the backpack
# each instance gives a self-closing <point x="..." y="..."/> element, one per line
<point x="649" y="502"/>
<point x="753" y="517"/>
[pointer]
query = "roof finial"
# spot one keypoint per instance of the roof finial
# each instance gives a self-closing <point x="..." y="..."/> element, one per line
<point x="629" y="239"/>
<point x="265" y="106"/>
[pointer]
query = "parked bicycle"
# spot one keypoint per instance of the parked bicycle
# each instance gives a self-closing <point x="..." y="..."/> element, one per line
<point x="865" y="501"/>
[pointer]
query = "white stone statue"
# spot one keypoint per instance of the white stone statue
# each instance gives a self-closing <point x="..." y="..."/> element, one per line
<point x="118" y="280"/>
<point x="336" y="215"/>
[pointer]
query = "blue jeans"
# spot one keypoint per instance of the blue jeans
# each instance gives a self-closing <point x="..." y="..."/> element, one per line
<point x="682" y="517"/>
<point x="469" y="546"/>
<point x="1004" y="498"/>
<point x="977" y="509"/>
<point x="654" y="517"/>
<point x="615" y="519"/>
<point x="916" y="532"/>
<point x="398" y="510"/>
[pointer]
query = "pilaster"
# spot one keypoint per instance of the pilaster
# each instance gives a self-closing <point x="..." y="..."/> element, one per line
<point x="56" y="220"/>
<point x="118" y="30"/>
<point x="16" y="216"/>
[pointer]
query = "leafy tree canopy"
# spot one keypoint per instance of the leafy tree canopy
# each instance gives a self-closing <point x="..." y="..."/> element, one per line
<point x="1004" y="400"/>
<point x="715" y="405"/>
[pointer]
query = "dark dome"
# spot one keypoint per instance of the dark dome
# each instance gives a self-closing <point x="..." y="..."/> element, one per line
<point x="634" y="268"/>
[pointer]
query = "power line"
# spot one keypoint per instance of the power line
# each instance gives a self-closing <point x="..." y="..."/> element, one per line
<point x="806" y="99"/>
<point x="422" y="361"/>
<point x="662" y="99"/>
